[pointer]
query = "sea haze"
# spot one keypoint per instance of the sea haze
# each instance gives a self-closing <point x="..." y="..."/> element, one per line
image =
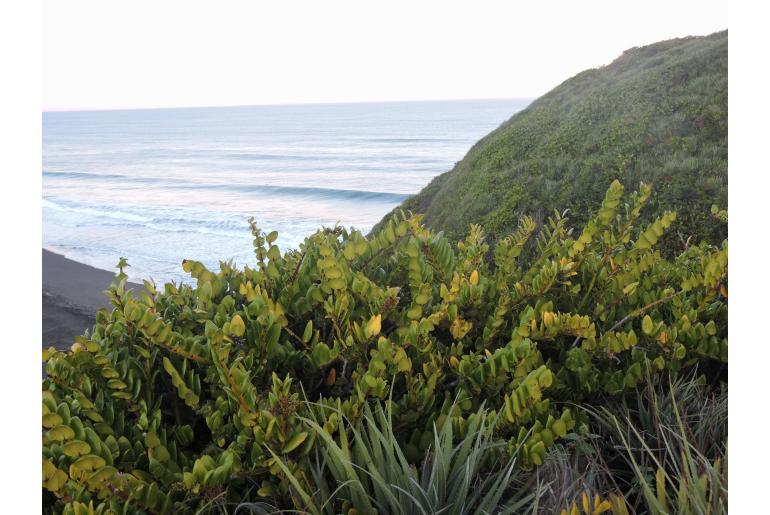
<point x="160" y="185"/>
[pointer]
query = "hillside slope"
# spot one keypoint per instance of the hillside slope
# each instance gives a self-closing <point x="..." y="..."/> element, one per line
<point x="656" y="114"/>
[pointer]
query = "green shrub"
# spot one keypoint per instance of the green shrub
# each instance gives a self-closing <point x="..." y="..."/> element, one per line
<point x="197" y="395"/>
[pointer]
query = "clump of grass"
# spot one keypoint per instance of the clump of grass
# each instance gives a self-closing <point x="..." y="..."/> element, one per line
<point x="673" y="444"/>
<point x="365" y="470"/>
<point x="662" y="449"/>
<point x="569" y="471"/>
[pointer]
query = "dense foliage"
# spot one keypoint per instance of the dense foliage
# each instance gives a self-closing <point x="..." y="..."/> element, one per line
<point x="657" y="114"/>
<point x="247" y="386"/>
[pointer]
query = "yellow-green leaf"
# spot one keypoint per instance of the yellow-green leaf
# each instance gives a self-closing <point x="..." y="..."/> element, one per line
<point x="60" y="433"/>
<point x="151" y="439"/>
<point x="647" y="325"/>
<point x="51" y="420"/>
<point x="266" y="490"/>
<point x="308" y="333"/>
<point x="57" y="480"/>
<point x="76" y="448"/>
<point x="603" y="506"/>
<point x="102" y="474"/>
<point x="374" y="326"/>
<point x="630" y="288"/>
<point x="294" y="442"/>
<point x="237" y="327"/>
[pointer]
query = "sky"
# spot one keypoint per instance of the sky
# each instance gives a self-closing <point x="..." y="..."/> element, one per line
<point x="113" y="55"/>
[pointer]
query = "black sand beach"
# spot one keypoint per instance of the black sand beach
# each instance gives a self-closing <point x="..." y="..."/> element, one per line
<point x="72" y="293"/>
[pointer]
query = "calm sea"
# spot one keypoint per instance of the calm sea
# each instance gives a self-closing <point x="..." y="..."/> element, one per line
<point x="160" y="185"/>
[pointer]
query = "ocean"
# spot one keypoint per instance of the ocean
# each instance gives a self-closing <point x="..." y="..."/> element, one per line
<point x="160" y="185"/>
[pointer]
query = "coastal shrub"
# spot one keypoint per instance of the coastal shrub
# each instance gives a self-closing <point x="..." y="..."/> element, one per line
<point x="227" y="390"/>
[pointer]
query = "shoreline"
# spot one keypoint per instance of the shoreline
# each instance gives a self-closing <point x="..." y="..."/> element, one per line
<point x="72" y="293"/>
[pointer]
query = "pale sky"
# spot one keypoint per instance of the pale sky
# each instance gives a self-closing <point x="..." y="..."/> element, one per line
<point x="104" y="54"/>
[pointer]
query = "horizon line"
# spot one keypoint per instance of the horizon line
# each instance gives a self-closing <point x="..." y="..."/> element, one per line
<point x="45" y="110"/>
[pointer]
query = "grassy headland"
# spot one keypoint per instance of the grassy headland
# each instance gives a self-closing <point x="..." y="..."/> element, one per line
<point x="656" y="114"/>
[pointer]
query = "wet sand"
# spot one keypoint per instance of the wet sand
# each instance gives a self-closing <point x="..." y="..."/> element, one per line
<point x="72" y="294"/>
